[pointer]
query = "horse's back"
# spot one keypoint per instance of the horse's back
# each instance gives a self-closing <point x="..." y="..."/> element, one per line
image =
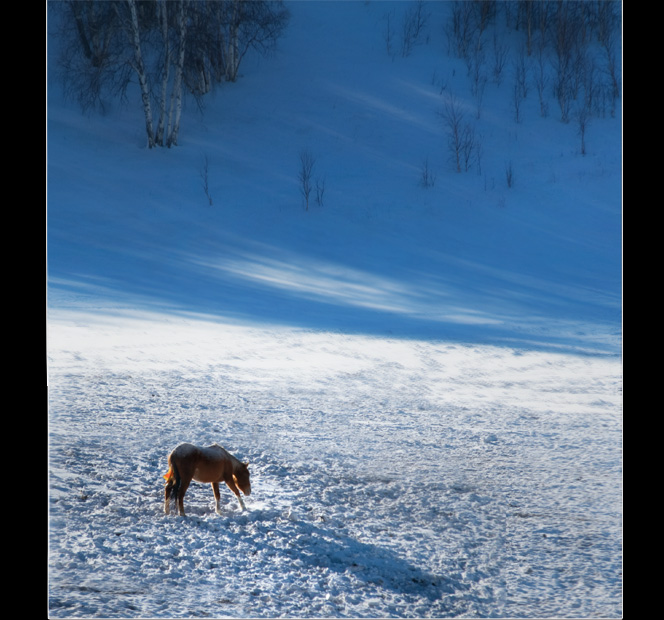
<point x="189" y="450"/>
<point x="207" y="464"/>
<point x="185" y="451"/>
<point x="215" y="453"/>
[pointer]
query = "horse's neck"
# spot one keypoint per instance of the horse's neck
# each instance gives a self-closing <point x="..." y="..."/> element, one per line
<point x="234" y="461"/>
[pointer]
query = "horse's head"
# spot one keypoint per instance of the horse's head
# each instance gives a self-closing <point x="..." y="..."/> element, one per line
<point x="241" y="477"/>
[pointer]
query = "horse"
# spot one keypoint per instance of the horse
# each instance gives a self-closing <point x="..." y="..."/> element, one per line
<point x="212" y="464"/>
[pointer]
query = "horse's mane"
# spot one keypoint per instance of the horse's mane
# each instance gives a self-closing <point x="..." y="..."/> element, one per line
<point x="233" y="459"/>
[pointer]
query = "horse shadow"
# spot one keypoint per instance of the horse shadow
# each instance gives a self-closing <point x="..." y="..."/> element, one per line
<point x="308" y="544"/>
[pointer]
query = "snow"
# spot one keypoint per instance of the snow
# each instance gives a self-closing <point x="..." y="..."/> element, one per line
<point x="427" y="382"/>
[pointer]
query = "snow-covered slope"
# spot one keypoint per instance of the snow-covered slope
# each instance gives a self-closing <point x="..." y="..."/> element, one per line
<point x="426" y="381"/>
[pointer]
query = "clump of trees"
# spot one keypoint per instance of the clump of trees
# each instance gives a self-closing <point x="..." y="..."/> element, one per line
<point x="568" y="49"/>
<point x="574" y="42"/>
<point x="171" y="48"/>
<point x="413" y="28"/>
<point x="463" y="144"/>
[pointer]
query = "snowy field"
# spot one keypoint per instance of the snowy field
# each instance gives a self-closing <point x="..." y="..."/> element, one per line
<point x="390" y="478"/>
<point x="427" y="382"/>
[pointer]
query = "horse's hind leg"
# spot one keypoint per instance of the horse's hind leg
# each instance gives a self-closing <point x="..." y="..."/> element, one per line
<point x="182" y="489"/>
<point x="167" y="496"/>
<point x="172" y="485"/>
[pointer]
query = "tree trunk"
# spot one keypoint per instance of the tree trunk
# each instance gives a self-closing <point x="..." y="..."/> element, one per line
<point x="232" y="60"/>
<point x="163" y="17"/>
<point x="176" y="95"/>
<point x="139" y="67"/>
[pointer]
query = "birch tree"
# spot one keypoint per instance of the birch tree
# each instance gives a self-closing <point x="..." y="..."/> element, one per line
<point x="176" y="94"/>
<point x="168" y="47"/>
<point x="172" y="48"/>
<point x="166" y="70"/>
<point x="249" y="24"/>
<point x="92" y="58"/>
<point x="139" y="67"/>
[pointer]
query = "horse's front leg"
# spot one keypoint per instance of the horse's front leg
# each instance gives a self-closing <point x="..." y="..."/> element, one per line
<point x="217" y="497"/>
<point x="233" y="487"/>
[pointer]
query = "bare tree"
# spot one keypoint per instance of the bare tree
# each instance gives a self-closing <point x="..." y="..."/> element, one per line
<point x="478" y="80"/>
<point x="173" y="39"/>
<point x="249" y="24"/>
<point x="520" y="86"/>
<point x="166" y="71"/>
<point x="175" y="111"/>
<point x="133" y="29"/>
<point x="500" y="52"/>
<point x="320" y="191"/>
<point x="608" y="22"/>
<point x="389" y="34"/>
<point x="222" y="32"/>
<point x="461" y="30"/>
<point x="469" y="146"/>
<point x="427" y="175"/>
<point x="413" y="26"/>
<point x="541" y="79"/>
<point x="93" y="61"/>
<point x="305" y="176"/>
<point x="526" y="8"/>
<point x="583" y="120"/>
<point x="462" y="141"/>
<point x="453" y="119"/>
<point x="168" y="45"/>
<point x="567" y="41"/>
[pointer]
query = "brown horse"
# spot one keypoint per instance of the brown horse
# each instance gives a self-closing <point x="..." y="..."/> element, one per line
<point x="212" y="464"/>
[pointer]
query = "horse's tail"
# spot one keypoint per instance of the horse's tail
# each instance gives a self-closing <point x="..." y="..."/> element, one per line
<point x="172" y="489"/>
<point x="172" y="476"/>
